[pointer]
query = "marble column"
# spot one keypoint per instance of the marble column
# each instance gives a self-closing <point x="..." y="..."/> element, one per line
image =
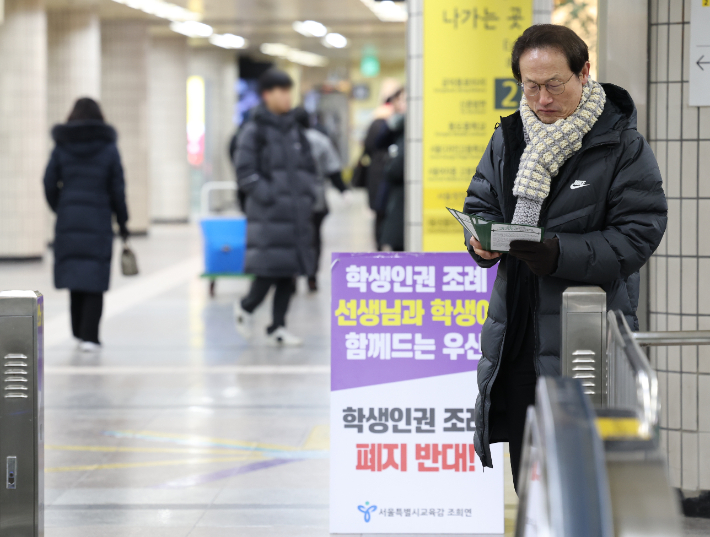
<point x="542" y="11"/>
<point x="413" y="178"/>
<point x="167" y="105"/>
<point x="124" y="92"/>
<point x="23" y="129"/>
<point x="73" y="66"/>
<point x="73" y="59"/>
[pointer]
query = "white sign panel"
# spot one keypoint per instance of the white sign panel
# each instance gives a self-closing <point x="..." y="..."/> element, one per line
<point x="406" y="343"/>
<point x="700" y="53"/>
<point x="412" y="483"/>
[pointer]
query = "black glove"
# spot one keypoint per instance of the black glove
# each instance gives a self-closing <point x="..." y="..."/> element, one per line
<point x="541" y="257"/>
<point x="124" y="233"/>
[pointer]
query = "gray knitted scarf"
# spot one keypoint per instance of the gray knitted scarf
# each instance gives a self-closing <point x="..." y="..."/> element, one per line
<point x="548" y="148"/>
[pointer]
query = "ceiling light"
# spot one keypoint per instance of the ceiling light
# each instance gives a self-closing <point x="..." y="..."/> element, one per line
<point x="192" y="29"/>
<point x="310" y="28"/>
<point x="335" y="41"/>
<point x="316" y="28"/>
<point x="275" y="49"/>
<point x="293" y="55"/>
<point x="228" y="41"/>
<point x="387" y="10"/>
<point x="301" y="28"/>
<point x="162" y="9"/>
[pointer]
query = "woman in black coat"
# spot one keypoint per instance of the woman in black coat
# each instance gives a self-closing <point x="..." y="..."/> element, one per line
<point x="392" y="237"/>
<point x="84" y="186"/>
<point x="391" y="139"/>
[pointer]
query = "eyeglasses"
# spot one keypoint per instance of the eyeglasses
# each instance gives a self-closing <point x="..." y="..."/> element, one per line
<point x="531" y="89"/>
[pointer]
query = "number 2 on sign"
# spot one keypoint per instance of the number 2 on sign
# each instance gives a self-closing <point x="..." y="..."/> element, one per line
<point x="507" y="93"/>
<point x="509" y="101"/>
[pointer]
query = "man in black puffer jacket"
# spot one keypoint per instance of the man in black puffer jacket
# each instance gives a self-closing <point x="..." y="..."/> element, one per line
<point x="602" y="207"/>
<point x="276" y="172"/>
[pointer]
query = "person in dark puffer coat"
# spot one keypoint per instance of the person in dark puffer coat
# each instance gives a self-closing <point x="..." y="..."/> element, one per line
<point x="276" y="172"/>
<point x="392" y="139"/>
<point x="604" y="215"/>
<point x="84" y="186"/>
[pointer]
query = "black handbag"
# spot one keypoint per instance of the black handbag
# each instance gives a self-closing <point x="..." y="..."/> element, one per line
<point x="360" y="179"/>
<point x="129" y="263"/>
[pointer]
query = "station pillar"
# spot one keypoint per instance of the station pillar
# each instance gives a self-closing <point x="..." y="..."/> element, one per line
<point x="124" y="93"/>
<point x="167" y="113"/>
<point x="23" y="130"/>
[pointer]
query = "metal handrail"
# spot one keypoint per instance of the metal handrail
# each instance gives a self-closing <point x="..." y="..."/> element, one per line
<point x="685" y="337"/>
<point x="564" y="489"/>
<point x="633" y="383"/>
<point x="626" y="417"/>
<point x="210" y="187"/>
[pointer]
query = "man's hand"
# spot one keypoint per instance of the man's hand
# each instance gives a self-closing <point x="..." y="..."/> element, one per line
<point x="479" y="251"/>
<point x="541" y="257"/>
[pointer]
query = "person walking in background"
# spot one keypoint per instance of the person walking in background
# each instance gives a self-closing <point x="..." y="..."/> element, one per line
<point x="376" y="157"/>
<point x="328" y="166"/>
<point x="84" y="186"/>
<point x="276" y="173"/>
<point x="391" y="139"/>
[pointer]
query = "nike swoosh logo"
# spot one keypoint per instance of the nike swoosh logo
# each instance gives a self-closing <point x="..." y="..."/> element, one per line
<point x="575" y="186"/>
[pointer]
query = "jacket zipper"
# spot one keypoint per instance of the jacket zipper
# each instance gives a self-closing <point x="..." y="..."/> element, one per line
<point x="486" y="395"/>
<point x="536" y="294"/>
<point x="535" y="323"/>
<point x="536" y="287"/>
<point x="486" y="390"/>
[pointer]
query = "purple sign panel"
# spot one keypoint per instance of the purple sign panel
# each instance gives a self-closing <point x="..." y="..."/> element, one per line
<point x="403" y="316"/>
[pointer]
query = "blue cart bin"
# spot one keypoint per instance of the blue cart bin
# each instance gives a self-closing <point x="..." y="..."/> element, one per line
<point x="225" y="241"/>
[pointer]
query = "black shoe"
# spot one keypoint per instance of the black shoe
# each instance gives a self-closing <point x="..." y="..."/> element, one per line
<point x="698" y="506"/>
<point x="312" y="284"/>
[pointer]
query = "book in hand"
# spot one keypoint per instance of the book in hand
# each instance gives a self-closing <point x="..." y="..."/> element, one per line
<point x="496" y="236"/>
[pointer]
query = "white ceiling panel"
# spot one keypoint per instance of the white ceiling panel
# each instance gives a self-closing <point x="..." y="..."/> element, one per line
<point x="270" y="21"/>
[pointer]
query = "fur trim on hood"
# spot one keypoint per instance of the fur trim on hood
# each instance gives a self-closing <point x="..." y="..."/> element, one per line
<point x="84" y="131"/>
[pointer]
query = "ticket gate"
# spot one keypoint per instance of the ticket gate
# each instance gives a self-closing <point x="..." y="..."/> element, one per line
<point x="591" y="464"/>
<point x="22" y="414"/>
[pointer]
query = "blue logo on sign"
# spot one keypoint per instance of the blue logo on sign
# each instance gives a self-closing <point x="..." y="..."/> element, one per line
<point x="364" y="509"/>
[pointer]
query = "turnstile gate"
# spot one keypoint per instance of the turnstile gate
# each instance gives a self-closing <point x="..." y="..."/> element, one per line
<point x="592" y="464"/>
<point x="583" y="340"/>
<point x="21" y="414"/>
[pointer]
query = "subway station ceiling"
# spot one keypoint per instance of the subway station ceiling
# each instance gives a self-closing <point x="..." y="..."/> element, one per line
<point x="270" y="21"/>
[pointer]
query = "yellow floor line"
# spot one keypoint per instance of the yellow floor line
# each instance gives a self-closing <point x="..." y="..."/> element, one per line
<point x="228" y="441"/>
<point x="318" y="439"/>
<point x="117" y="449"/>
<point x="120" y="465"/>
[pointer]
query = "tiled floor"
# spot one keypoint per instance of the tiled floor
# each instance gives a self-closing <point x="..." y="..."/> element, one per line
<point x="179" y="427"/>
<point x="696" y="526"/>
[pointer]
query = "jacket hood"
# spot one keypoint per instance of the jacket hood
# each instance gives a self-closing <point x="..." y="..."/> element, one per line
<point x="624" y="104"/>
<point x="84" y="131"/>
<point x="84" y="137"/>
